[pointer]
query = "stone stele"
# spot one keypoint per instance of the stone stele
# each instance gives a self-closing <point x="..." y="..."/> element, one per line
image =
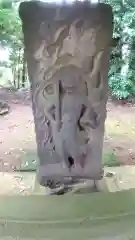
<point x="67" y="49"/>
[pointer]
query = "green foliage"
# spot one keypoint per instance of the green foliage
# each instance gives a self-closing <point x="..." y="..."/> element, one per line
<point x="122" y="63"/>
<point x="6" y="79"/>
<point x="123" y="84"/>
<point x="121" y="88"/>
<point x="10" y="28"/>
<point x="110" y="159"/>
<point x="11" y="38"/>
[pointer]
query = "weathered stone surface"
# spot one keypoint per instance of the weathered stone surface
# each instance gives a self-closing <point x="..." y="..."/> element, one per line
<point x="4" y="108"/>
<point x="67" y="48"/>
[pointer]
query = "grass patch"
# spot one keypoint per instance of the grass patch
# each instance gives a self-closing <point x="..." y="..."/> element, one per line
<point x="28" y="161"/>
<point x="120" y="128"/>
<point x="110" y="159"/>
<point x="30" y="158"/>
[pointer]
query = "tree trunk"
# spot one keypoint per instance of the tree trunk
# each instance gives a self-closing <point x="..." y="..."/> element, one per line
<point x="24" y="70"/>
<point x="14" y="76"/>
<point x="18" y="73"/>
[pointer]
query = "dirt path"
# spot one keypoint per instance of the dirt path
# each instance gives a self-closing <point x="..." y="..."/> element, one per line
<point x="17" y="135"/>
<point x="120" y="132"/>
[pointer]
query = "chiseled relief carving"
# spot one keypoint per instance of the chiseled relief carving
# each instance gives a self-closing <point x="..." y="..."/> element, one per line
<point x="67" y="50"/>
<point x="69" y="66"/>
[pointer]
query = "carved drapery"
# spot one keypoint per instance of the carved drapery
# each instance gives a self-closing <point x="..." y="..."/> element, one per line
<point x="67" y="51"/>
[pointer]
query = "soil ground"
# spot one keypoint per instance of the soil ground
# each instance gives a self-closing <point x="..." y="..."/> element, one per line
<point x="17" y="136"/>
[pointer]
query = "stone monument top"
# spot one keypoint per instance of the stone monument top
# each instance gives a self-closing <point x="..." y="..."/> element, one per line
<point x="67" y="48"/>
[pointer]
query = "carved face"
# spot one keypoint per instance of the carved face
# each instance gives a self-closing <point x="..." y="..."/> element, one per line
<point x="70" y="83"/>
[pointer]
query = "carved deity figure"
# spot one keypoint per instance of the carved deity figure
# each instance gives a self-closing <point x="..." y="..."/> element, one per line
<point x="67" y="50"/>
<point x="68" y="115"/>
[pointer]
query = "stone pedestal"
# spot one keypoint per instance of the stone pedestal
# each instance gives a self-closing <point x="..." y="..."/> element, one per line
<point x="67" y="48"/>
<point x="101" y="216"/>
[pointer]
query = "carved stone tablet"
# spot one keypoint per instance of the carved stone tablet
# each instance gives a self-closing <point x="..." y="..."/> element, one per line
<point x="67" y="48"/>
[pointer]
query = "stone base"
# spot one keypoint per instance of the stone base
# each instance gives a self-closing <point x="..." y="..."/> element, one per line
<point x="59" y="174"/>
<point x="115" y="179"/>
<point x="103" y="216"/>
